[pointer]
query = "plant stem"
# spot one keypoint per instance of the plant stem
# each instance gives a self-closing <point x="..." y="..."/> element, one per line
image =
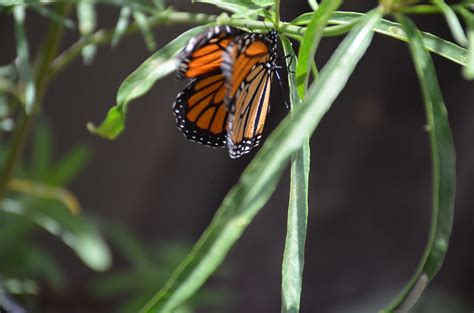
<point x="277" y="14"/>
<point x="428" y="9"/>
<point x="44" y="58"/>
<point x="103" y="36"/>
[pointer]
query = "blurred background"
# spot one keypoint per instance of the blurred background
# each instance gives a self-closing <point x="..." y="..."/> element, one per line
<point x="152" y="193"/>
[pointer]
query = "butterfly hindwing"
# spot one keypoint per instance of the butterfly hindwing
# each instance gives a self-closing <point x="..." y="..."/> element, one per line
<point x="200" y="111"/>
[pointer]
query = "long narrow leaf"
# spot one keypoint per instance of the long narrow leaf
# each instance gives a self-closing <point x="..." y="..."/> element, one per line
<point x="87" y="18"/>
<point x="159" y="65"/>
<point x="122" y="25"/>
<point x="293" y="256"/>
<point x="24" y="58"/>
<point x="468" y="71"/>
<point x="145" y="29"/>
<point x="309" y="44"/>
<point x="260" y="178"/>
<point x="443" y="172"/>
<point x="238" y="6"/>
<point x="43" y="10"/>
<point x="431" y="42"/>
<point x="76" y="232"/>
<point x="453" y="22"/>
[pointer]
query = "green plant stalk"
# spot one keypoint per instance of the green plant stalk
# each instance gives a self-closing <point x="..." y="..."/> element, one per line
<point x="44" y="58"/>
<point x="427" y="9"/>
<point x="277" y="14"/>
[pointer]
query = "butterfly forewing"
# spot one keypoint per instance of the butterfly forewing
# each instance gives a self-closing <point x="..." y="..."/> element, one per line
<point x="203" y="54"/>
<point x="248" y="67"/>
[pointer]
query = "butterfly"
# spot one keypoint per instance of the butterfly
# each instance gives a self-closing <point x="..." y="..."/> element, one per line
<point x="226" y="102"/>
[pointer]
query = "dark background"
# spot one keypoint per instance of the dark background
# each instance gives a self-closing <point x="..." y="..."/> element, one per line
<point x="369" y="185"/>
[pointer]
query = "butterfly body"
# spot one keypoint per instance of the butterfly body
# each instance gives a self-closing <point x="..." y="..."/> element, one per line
<point x="226" y="102"/>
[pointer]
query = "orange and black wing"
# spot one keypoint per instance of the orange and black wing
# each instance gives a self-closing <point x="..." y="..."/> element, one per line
<point x="203" y="53"/>
<point x="200" y="111"/>
<point x="249" y="65"/>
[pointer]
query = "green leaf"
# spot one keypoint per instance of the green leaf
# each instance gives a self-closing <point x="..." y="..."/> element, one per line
<point x="79" y="234"/>
<point x="87" y="23"/>
<point x="159" y="65"/>
<point x="260" y="178"/>
<point x="293" y="256"/>
<point x="42" y="147"/>
<point x="240" y="6"/>
<point x="145" y="29"/>
<point x="310" y="42"/>
<point x="113" y="124"/>
<point x="24" y="58"/>
<point x="431" y="42"/>
<point x="313" y="4"/>
<point x="443" y="172"/>
<point x="122" y="25"/>
<point x="44" y="11"/>
<point x="70" y="166"/>
<point x="468" y="71"/>
<point x="453" y="22"/>
<point x="129" y="246"/>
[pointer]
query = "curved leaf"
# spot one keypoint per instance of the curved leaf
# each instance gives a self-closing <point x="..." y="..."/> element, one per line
<point x="240" y="6"/>
<point x="293" y="256"/>
<point x="309" y="44"/>
<point x="159" y="65"/>
<point x="78" y="233"/>
<point x="443" y="172"/>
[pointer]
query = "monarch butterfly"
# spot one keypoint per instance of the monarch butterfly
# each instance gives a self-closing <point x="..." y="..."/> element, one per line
<point x="227" y="100"/>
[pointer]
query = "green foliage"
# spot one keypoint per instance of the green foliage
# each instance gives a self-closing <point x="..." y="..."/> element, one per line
<point x="32" y="192"/>
<point x="148" y="268"/>
<point x="23" y="213"/>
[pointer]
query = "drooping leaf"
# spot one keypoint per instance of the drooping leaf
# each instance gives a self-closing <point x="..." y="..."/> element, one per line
<point x="79" y="234"/>
<point x="87" y="18"/>
<point x="159" y="65"/>
<point x="145" y="29"/>
<point x="122" y="25"/>
<point x="260" y="178"/>
<point x="23" y="58"/>
<point x="46" y="12"/>
<point x="309" y="44"/>
<point x="293" y="256"/>
<point x="453" y="22"/>
<point x="443" y="172"/>
<point x="240" y="6"/>
<point x="468" y="70"/>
